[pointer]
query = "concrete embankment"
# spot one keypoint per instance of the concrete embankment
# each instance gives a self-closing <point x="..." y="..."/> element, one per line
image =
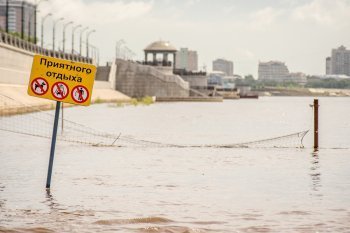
<point x="15" y="100"/>
<point x="15" y="67"/>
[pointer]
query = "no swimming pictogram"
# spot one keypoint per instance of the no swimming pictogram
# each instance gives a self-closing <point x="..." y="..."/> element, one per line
<point x="39" y="86"/>
<point x="59" y="90"/>
<point x="80" y="94"/>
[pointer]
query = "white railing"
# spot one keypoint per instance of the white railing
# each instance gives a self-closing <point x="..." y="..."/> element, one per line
<point x="35" y="49"/>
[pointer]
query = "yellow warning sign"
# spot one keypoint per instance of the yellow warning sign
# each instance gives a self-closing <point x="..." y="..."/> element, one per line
<point x="61" y="80"/>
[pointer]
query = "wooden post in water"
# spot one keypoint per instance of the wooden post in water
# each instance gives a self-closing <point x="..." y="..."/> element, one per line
<point x="316" y="124"/>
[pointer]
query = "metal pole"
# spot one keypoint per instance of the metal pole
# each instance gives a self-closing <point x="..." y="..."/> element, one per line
<point x="35" y="12"/>
<point x="73" y="30"/>
<point x="316" y="124"/>
<point x="64" y="34"/>
<point x="35" y="19"/>
<point x="29" y="27"/>
<point x="81" y="38"/>
<point x="117" y="48"/>
<point x="53" y="145"/>
<point x="53" y="33"/>
<point x="22" y="20"/>
<point x="87" y="42"/>
<point x="42" y="29"/>
<point x="62" y="119"/>
<point x="7" y="16"/>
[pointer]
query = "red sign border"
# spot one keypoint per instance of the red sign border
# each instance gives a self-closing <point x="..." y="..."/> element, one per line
<point x="72" y="95"/>
<point x="53" y="95"/>
<point x="47" y="83"/>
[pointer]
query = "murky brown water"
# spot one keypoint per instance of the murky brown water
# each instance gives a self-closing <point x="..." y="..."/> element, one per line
<point x="150" y="189"/>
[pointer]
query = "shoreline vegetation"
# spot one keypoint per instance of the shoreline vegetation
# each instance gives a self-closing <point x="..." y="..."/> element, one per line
<point x="20" y="103"/>
<point x="314" y="86"/>
<point x="302" y="91"/>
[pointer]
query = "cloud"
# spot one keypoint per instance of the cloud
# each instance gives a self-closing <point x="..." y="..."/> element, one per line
<point x="192" y="2"/>
<point x="96" y="12"/>
<point x="327" y="12"/>
<point x="263" y="18"/>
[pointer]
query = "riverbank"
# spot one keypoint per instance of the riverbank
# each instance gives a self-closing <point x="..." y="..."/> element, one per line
<point x="283" y="91"/>
<point x="15" y="100"/>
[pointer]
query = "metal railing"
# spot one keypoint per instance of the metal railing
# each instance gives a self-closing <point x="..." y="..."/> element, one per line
<point x="35" y="49"/>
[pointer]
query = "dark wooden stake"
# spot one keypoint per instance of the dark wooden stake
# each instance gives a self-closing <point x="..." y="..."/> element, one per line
<point x="316" y="124"/>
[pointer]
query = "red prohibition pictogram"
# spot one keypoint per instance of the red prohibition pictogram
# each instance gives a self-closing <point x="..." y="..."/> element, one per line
<point x="80" y="94"/>
<point x="39" y="86"/>
<point x="59" y="90"/>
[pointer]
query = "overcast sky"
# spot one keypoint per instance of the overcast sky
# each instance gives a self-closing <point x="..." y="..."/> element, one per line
<point x="300" y="33"/>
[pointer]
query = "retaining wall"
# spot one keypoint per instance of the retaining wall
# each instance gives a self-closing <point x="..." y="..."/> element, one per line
<point x="16" y="64"/>
<point x="138" y="80"/>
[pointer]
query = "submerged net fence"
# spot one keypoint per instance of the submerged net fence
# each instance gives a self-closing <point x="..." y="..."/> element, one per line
<point x="21" y="118"/>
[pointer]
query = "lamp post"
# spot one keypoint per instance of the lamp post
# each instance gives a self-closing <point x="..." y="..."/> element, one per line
<point x="53" y="32"/>
<point x="22" y="19"/>
<point x="73" y="30"/>
<point x="127" y="53"/>
<point x="64" y="34"/>
<point x="96" y="54"/>
<point x="35" y="15"/>
<point x="30" y="24"/>
<point x="87" y="42"/>
<point x="42" y="28"/>
<point x="81" y="38"/>
<point x="7" y="16"/>
<point x="117" y="47"/>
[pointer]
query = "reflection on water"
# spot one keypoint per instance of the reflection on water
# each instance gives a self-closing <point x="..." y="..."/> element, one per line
<point x="2" y="201"/>
<point x="315" y="174"/>
<point x="50" y="201"/>
<point x="153" y="190"/>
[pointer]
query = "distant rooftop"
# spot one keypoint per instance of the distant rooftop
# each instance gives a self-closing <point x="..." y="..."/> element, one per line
<point x="271" y="62"/>
<point x="160" y="46"/>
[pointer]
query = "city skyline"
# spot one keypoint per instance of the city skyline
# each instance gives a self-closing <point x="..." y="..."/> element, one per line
<point x="300" y="33"/>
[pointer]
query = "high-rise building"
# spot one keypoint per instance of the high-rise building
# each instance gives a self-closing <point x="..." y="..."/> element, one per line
<point x="187" y="59"/>
<point x="272" y="71"/>
<point x="328" y="65"/>
<point x="278" y="71"/>
<point x="223" y="66"/>
<point x="339" y="62"/>
<point x="20" y="13"/>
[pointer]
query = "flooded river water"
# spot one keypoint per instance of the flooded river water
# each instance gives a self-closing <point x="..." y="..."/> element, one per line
<point x="166" y="189"/>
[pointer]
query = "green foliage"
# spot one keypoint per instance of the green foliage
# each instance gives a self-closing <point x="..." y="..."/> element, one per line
<point x="25" y="37"/>
<point x="147" y="100"/>
<point x="313" y="82"/>
<point x="98" y="100"/>
<point x="134" y="102"/>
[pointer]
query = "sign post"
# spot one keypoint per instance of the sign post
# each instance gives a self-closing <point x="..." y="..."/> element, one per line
<point x="62" y="81"/>
<point x="53" y="144"/>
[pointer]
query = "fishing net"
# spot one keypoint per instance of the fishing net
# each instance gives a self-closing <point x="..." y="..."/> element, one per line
<point x="21" y="118"/>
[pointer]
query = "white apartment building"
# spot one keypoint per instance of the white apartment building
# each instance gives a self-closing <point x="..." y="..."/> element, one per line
<point x="272" y="71"/>
<point x="328" y="65"/>
<point x="278" y="71"/>
<point x="339" y="62"/>
<point x="223" y="66"/>
<point x="187" y="59"/>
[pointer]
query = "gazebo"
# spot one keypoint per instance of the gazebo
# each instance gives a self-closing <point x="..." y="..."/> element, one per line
<point x="160" y="47"/>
